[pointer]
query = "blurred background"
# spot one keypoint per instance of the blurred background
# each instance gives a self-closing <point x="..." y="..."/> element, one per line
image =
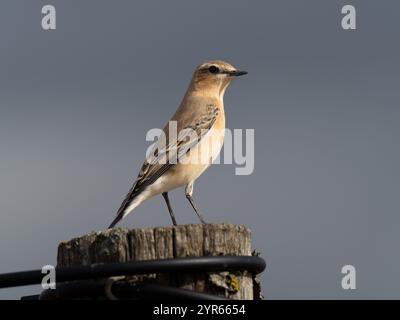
<point x="76" y="103"/>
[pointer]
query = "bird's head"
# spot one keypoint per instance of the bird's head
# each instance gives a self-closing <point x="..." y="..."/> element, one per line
<point x="215" y="76"/>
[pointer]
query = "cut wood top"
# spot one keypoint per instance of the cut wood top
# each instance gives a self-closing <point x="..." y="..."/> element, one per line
<point x="122" y="244"/>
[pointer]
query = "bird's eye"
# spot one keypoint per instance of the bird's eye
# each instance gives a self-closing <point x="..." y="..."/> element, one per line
<point x="213" y="69"/>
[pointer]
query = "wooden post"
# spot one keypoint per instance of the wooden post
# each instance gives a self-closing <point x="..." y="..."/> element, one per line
<point x="120" y="245"/>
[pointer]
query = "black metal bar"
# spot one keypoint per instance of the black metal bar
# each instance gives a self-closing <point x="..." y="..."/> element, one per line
<point x="252" y="264"/>
<point x="31" y="297"/>
<point x="154" y="291"/>
<point x="122" y="290"/>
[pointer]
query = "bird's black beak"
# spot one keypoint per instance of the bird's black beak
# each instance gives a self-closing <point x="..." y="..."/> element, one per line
<point x="237" y="73"/>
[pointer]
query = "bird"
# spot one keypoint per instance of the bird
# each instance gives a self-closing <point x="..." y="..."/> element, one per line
<point x="202" y="112"/>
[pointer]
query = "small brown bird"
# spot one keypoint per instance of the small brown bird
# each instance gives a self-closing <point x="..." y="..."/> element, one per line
<point x="201" y="111"/>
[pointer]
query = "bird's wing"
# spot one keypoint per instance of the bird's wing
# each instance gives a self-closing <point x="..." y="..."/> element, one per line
<point x="157" y="163"/>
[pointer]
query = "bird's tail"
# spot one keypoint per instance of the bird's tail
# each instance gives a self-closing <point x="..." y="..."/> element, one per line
<point x="126" y="208"/>
<point x="117" y="219"/>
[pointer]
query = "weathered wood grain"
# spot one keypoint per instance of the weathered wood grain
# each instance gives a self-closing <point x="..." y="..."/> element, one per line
<point x="119" y="245"/>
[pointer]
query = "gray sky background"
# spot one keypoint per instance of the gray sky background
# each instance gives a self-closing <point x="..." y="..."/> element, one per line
<point x="76" y="103"/>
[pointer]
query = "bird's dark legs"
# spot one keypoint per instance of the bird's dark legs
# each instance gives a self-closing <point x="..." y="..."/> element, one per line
<point x="188" y="193"/>
<point x="189" y="197"/>
<point x="171" y="212"/>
